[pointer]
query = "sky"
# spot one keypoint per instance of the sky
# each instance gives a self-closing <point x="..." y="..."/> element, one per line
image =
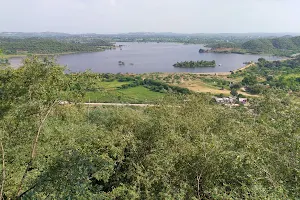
<point x="122" y="16"/>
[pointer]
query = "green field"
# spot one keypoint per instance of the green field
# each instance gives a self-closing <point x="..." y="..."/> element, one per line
<point x="138" y="94"/>
<point x="142" y="93"/>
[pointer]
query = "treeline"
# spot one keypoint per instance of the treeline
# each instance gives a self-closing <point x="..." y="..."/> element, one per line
<point x="109" y="77"/>
<point x="222" y="45"/>
<point x="195" y="64"/>
<point x="157" y="86"/>
<point x="50" y="46"/>
<point x="177" y="150"/>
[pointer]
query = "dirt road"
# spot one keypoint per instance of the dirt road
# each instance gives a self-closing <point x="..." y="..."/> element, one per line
<point x="117" y="104"/>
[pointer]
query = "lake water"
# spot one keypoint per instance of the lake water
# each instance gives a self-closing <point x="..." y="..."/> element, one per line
<point x="151" y="57"/>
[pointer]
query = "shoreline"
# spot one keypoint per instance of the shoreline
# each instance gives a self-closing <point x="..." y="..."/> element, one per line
<point x="245" y="67"/>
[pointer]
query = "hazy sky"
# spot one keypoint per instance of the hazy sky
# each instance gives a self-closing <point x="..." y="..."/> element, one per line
<point x="181" y="16"/>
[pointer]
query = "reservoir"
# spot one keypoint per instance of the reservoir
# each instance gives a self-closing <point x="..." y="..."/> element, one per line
<point x="151" y="57"/>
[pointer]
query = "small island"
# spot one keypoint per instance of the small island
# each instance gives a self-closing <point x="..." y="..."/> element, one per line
<point x="194" y="64"/>
<point x="121" y="63"/>
<point x="203" y="51"/>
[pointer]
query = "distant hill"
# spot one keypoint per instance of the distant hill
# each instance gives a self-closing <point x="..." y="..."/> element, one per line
<point x="33" y="34"/>
<point x="39" y="45"/>
<point x="272" y="45"/>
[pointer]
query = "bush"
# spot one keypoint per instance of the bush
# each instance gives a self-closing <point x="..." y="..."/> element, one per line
<point x="249" y="80"/>
<point x="236" y="86"/>
<point x="241" y="96"/>
<point x="234" y="92"/>
<point x="270" y="78"/>
<point x="256" y="89"/>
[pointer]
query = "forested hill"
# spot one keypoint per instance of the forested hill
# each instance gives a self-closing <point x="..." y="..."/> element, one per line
<point x="51" y="46"/>
<point x="280" y="46"/>
<point x="275" y="45"/>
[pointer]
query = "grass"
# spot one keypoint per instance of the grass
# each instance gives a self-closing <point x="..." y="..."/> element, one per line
<point x="111" y="85"/>
<point x="138" y="94"/>
<point x="200" y="86"/>
<point x="142" y="93"/>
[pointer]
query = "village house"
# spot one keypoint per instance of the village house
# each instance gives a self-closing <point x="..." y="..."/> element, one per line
<point x="243" y="100"/>
<point x="226" y="100"/>
<point x="230" y="100"/>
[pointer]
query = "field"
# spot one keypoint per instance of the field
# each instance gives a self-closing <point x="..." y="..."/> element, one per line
<point x="110" y="93"/>
<point x="200" y="86"/>
<point x="111" y="85"/>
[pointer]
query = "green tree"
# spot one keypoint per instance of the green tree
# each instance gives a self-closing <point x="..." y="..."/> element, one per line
<point x="270" y="78"/>
<point x="234" y="92"/>
<point x="249" y="80"/>
<point x="262" y="60"/>
<point x="28" y="96"/>
<point x="236" y="86"/>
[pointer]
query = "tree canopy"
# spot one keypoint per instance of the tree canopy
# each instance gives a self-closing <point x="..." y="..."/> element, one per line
<point x="285" y="46"/>
<point x="195" y="64"/>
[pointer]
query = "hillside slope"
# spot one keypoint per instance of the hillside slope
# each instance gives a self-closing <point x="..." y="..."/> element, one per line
<point x="278" y="46"/>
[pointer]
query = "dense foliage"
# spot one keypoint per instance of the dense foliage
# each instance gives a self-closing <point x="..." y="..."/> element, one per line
<point x="276" y="74"/>
<point x="285" y="46"/>
<point x="194" y="64"/>
<point x="179" y="149"/>
<point x="50" y="46"/>
<point x="223" y="45"/>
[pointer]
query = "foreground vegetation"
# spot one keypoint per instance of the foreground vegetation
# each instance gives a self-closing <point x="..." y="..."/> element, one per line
<point x="195" y="64"/>
<point x="184" y="148"/>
